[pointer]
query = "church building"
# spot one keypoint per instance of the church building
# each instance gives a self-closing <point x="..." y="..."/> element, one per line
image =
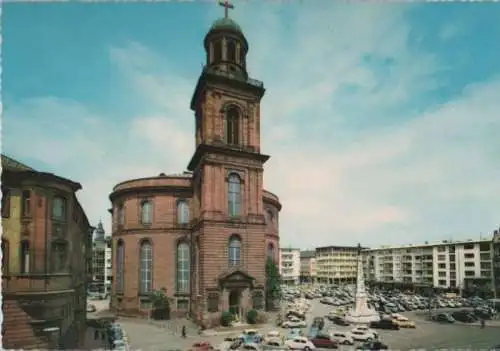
<point x="203" y="234"/>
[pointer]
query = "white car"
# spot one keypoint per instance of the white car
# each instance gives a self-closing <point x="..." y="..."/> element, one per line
<point x="359" y="335"/>
<point x="294" y="323"/>
<point x="300" y="343"/>
<point x="342" y="337"/>
<point x="373" y="333"/>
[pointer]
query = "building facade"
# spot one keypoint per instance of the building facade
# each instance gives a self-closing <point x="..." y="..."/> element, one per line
<point x="451" y="265"/>
<point x="101" y="262"/>
<point x="45" y="246"/>
<point x="289" y="266"/>
<point x="336" y="264"/>
<point x="308" y="267"/>
<point x="496" y="262"/>
<point x="204" y="234"/>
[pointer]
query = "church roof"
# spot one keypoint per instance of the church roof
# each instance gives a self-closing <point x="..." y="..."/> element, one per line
<point x="226" y="23"/>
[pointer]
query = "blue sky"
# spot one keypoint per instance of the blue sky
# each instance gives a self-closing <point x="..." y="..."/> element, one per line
<point x="391" y="111"/>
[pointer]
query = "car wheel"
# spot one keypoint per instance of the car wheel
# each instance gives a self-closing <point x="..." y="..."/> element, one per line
<point x="346" y="342"/>
<point x="307" y="348"/>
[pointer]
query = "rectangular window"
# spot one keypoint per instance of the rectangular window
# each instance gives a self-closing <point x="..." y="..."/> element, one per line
<point x="442" y="274"/>
<point x="26" y="203"/>
<point x="469" y="273"/>
<point x="469" y="255"/>
<point x="442" y="266"/>
<point x="5" y="202"/>
<point x="469" y="247"/>
<point x="213" y="302"/>
<point x="442" y="282"/>
<point x="484" y="247"/>
<point x="441" y="248"/>
<point x="59" y="208"/>
<point x="120" y="214"/>
<point x="469" y="264"/>
<point x="441" y="257"/>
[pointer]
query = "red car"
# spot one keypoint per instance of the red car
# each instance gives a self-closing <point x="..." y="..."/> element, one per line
<point x="323" y="341"/>
<point x="202" y="346"/>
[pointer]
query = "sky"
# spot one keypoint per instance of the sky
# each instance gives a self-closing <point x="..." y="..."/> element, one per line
<point x="382" y="120"/>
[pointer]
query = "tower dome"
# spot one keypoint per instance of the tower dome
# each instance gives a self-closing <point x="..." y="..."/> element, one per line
<point x="226" y="47"/>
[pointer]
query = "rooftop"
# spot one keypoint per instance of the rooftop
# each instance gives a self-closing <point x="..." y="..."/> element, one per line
<point x="427" y="244"/>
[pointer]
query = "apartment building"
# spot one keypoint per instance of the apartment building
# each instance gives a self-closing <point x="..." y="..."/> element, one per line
<point x="308" y="267"/>
<point x="460" y="265"/>
<point x="289" y="266"/>
<point x="496" y="262"/>
<point x="101" y="262"/>
<point x="336" y="264"/>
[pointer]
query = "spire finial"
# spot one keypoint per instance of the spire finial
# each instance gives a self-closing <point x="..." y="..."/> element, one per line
<point x="227" y="5"/>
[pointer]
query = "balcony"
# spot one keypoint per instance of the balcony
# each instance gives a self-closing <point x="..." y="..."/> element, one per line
<point x="36" y="283"/>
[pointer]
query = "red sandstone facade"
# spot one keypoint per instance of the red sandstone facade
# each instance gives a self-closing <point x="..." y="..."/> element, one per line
<point x="204" y="235"/>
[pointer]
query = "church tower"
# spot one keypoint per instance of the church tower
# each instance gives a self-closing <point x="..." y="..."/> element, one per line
<point x="229" y="236"/>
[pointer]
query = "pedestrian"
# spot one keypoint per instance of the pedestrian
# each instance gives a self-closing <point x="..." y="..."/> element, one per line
<point x="483" y="323"/>
<point x="183" y="331"/>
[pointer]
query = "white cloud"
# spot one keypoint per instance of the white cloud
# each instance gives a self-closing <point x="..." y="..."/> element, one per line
<point x="328" y="72"/>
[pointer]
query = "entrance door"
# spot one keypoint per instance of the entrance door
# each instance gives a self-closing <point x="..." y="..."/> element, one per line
<point x="234" y="302"/>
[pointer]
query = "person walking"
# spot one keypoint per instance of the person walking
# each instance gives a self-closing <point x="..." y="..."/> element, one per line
<point x="183" y="332"/>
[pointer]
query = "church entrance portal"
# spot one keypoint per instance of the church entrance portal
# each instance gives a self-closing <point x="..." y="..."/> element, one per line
<point x="234" y="303"/>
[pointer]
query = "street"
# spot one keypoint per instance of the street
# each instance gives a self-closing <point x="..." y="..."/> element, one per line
<point x="428" y="335"/>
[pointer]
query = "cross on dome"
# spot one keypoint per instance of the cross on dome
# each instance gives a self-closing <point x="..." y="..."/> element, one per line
<point x="227" y="5"/>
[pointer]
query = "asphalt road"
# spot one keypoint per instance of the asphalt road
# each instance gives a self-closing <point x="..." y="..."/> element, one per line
<point x="427" y="335"/>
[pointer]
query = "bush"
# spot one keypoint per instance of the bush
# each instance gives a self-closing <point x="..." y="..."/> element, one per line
<point x="226" y="319"/>
<point x="252" y="316"/>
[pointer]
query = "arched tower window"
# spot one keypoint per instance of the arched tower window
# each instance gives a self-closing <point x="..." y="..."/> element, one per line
<point x="270" y="251"/>
<point x="233" y="195"/>
<point x="59" y="208"/>
<point x="120" y="261"/>
<point x="231" y="125"/>
<point x="5" y="257"/>
<point x="217" y="51"/>
<point x="182" y="212"/>
<point x="145" y="267"/>
<point x="231" y="51"/>
<point x="183" y="267"/>
<point x="234" y="251"/>
<point x="270" y="216"/>
<point x="24" y="256"/>
<point x="146" y="212"/>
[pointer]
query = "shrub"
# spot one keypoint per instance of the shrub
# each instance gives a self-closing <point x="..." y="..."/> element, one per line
<point x="226" y="319"/>
<point x="252" y="316"/>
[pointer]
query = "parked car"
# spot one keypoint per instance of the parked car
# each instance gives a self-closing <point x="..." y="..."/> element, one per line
<point x="387" y="324"/>
<point x="324" y="341"/>
<point x="91" y="308"/>
<point x="339" y="321"/>
<point x="443" y="318"/>
<point x="319" y="323"/>
<point x="373" y="333"/>
<point x="300" y="343"/>
<point x="342" y="337"/>
<point x="294" y="323"/>
<point x="373" y="345"/>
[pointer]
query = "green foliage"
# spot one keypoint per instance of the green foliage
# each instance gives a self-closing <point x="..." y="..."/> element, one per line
<point x="159" y="299"/>
<point x="252" y="316"/>
<point x="273" y="280"/>
<point x="226" y="318"/>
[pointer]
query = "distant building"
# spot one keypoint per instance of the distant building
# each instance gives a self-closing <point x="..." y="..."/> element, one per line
<point x="496" y="262"/>
<point x="308" y="267"/>
<point x="336" y="264"/>
<point x="289" y="266"/>
<point x="450" y="265"/>
<point x="46" y="242"/>
<point x="101" y="262"/>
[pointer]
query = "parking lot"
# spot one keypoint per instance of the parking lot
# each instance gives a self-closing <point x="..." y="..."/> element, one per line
<point x="427" y="335"/>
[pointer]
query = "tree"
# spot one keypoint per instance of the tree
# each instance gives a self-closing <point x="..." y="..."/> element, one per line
<point x="273" y="280"/>
<point x="161" y="304"/>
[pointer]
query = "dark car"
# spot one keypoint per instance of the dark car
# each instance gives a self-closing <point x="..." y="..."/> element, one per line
<point x="443" y="318"/>
<point x="373" y="345"/>
<point x="318" y="322"/>
<point x="464" y="316"/>
<point x="324" y="341"/>
<point x="339" y="321"/>
<point x="384" y="324"/>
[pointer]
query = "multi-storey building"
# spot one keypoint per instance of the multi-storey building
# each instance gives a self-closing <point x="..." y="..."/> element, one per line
<point x="101" y="262"/>
<point x="463" y="265"/>
<point x="308" y="267"/>
<point x="336" y="264"/>
<point x="289" y="266"/>
<point x="496" y="262"/>
<point x="46" y="240"/>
